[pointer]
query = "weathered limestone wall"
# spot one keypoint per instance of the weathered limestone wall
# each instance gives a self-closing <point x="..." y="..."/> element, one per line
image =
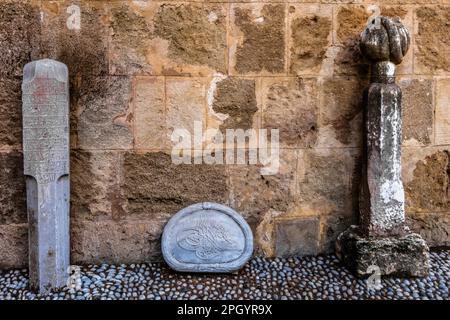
<point x="139" y="69"/>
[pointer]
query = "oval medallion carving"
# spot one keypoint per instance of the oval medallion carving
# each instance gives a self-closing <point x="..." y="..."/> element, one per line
<point x="207" y="237"/>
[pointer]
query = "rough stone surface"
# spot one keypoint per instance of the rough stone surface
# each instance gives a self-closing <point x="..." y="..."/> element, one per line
<point x="394" y="11"/>
<point x="104" y="113"/>
<point x="207" y="237"/>
<point x="12" y="189"/>
<point x="14" y="248"/>
<point x="10" y="89"/>
<point x="19" y="23"/>
<point x="341" y="111"/>
<point x="331" y="226"/>
<point x="45" y="108"/>
<point x="350" y="20"/>
<point x="310" y="38"/>
<point x="263" y="44"/>
<point x="84" y="51"/>
<point x="432" y="39"/>
<point x="397" y="256"/>
<point x="433" y="227"/>
<point x="153" y="184"/>
<point x="116" y="241"/>
<point x="10" y="112"/>
<point x="185" y="103"/>
<point x="95" y="185"/>
<point x="236" y="98"/>
<point x="297" y="237"/>
<point x="442" y="125"/>
<point x="150" y="127"/>
<point x="290" y="105"/>
<point x="326" y="181"/>
<point x="275" y="192"/>
<point x="418" y="110"/>
<point x="130" y="37"/>
<point x="428" y="190"/>
<point x="196" y="33"/>
<point x="10" y="117"/>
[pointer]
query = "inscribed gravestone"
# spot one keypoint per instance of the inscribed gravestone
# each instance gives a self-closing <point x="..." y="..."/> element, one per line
<point x="45" y="109"/>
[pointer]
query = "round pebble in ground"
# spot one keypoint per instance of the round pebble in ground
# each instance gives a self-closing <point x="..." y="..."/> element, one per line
<point x="320" y="277"/>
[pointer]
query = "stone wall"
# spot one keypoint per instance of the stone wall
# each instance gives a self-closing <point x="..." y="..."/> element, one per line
<point x="139" y="69"/>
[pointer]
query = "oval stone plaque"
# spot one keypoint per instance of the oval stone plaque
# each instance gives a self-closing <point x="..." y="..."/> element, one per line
<point x="207" y="237"/>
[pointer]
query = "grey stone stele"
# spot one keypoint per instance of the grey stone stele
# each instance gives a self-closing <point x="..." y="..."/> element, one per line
<point x="382" y="239"/>
<point x="207" y="237"/>
<point x="45" y="108"/>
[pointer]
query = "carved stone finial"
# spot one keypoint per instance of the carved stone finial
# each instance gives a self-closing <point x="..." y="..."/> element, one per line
<point x="385" y="39"/>
<point x="382" y="239"/>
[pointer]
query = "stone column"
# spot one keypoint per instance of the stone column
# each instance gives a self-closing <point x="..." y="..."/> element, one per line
<point x="382" y="239"/>
<point x="45" y="97"/>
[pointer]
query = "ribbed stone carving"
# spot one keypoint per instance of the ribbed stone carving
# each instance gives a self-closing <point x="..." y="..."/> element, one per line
<point x="382" y="239"/>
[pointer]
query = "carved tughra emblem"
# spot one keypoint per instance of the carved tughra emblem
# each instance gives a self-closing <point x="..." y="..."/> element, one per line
<point x="207" y="238"/>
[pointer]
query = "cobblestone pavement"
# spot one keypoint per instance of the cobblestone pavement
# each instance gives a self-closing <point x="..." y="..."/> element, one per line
<point x="295" y="278"/>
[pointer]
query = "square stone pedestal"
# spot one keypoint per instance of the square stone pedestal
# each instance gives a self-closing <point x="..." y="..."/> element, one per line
<point x="406" y="255"/>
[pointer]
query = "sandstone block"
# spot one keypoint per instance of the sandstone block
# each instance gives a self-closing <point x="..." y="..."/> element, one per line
<point x="417" y="111"/>
<point x="168" y="39"/>
<point x="275" y="192"/>
<point x="94" y="182"/>
<point x="442" y="112"/>
<point x="258" y="38"/>
<point x="290" y="105"/>
<point x="431" y="40"/>
<point x="340" y="112"/>
<point x="433" y="227"/>
<point x="236" y="98"/>
<point x="83" y="49"/>
<point x="349" y="21"/>
<point x="12" y="189"/>
<point x="14" y="248"/>
<point x="116" y="242"/>
<point x="297" y="237"/>
<point x="152" y="184"/>
<point x="327" y="181"/>
<point x="150" y="114"/>
<point x="309" y="37"/>
<point x="427" y="180"/>
<point x="11" y="128"/>
<point x="186" y="103"/>
<point x="104" y="113"/>
<point x="19" y="25"/>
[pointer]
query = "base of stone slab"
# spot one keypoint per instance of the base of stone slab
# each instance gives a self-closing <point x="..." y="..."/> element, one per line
<point x="405" y="256"/>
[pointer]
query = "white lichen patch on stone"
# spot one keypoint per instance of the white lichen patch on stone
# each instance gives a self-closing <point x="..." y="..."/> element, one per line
<point x="259" y="20"/>
<point x="217" y="77"/>
<point x="392" y="190"/>
<point x="212" y="16"/>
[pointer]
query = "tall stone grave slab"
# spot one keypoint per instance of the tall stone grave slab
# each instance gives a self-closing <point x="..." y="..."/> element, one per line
<point x="45" y="97"/>
<point x="382" y="239"/>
